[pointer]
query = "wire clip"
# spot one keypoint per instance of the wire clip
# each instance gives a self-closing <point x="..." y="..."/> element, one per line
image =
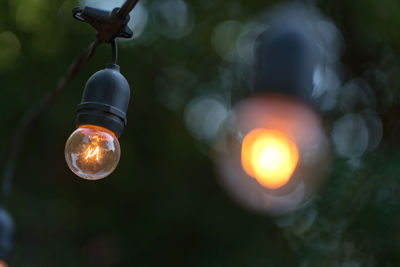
<point x="108" y="24"/>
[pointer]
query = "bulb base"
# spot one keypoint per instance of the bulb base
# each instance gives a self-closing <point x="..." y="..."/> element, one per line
<point x="286" y="62"/>
<point x="105" y="100"/>
<point x="100" y="117"/>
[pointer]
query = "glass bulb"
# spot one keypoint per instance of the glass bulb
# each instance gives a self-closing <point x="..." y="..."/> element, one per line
<point x="269" y="156"/>
<point x="273" y="153"/>
<point x="92" y="152"/>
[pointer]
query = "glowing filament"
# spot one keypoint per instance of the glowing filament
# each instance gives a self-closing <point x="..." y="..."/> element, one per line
<point x="91" y="153"/>
<point x="269" y="156"/>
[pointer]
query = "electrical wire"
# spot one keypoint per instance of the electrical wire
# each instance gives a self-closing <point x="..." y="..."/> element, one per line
<point x="114" y="48"/>
<point x="33" y="114"/>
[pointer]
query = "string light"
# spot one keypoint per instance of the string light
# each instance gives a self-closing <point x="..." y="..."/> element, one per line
<point x="274" y="150"/>
<point x="92" y="151"/>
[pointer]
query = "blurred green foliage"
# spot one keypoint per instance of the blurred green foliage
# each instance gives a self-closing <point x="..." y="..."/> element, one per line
<point x="163" y="206"/>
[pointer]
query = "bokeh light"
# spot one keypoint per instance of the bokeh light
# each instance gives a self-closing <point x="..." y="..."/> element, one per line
<point x="269" y="156"/>
<point x="205" y="116"/>
<point x="273" y="154"/>
<point x="10" y="47"/>
<point x="174" y="18"/>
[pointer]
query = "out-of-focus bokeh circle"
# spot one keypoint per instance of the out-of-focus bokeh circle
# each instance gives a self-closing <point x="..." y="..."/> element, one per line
<point x="296" y="130"/>
<point x="269" y="156"/>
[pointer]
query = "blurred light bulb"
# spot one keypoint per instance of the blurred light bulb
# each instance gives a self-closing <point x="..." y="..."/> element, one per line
<point x="272" y="154"/>
<point x="269" y="156"/>
<point x="92" y="152"/>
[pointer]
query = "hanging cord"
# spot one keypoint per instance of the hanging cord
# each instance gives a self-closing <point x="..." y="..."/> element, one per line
<point x="114" y="48"/>
<point x="33" y="114"/>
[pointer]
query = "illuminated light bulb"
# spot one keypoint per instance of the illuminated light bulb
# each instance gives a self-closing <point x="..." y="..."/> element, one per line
<point x="269" y="156"/>
<point x="92" y="152"/>
<point x="273" y="154"/>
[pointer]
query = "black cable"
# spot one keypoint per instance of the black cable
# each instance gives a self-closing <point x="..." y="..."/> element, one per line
<point x="114" y="47"/>
<point x="33" y="114"/>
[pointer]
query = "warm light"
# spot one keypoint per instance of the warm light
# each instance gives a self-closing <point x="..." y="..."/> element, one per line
<point x="92" y="152"/>
<point x="269" y="156"/>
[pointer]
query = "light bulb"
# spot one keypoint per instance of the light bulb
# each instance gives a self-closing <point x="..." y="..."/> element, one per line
<point x="269" y="156"/>
<point x="92" y="152"/>
<point x="273" y="153"/>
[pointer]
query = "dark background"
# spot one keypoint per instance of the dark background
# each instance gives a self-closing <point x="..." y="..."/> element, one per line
<point x="163" y="205"/>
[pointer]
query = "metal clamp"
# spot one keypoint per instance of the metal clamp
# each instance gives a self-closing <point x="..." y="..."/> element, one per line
<point x="109" y="25"/>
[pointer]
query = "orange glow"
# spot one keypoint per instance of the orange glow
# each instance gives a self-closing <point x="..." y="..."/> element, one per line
<point x="269" y="156"/>
<point x="95" y="132"/>
<point x="92" y="153"/>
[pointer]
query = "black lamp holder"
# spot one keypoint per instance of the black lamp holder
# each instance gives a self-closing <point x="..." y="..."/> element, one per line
<point x="285" y="63"/>
<point x="105" y="100"/>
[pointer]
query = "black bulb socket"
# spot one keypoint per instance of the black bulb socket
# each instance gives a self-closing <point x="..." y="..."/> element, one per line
<point x="285" y="63"/>
<point x="105" y="100"/>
